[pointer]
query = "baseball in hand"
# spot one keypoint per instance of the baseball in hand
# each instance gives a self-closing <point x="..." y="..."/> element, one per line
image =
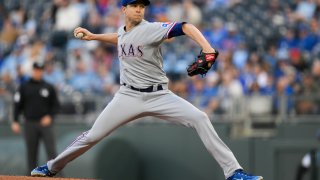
<point x="79" y="35"/>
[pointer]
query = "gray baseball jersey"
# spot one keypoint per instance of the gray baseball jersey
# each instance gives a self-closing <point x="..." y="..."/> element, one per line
<point x="141" y="62"/>
<point x="141" y="67"/>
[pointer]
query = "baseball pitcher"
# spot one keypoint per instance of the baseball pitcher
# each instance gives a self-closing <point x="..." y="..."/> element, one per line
<point x="144" y="89"/>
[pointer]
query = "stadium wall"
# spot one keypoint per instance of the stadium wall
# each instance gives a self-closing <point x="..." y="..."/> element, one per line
<point x="154" y="151"/>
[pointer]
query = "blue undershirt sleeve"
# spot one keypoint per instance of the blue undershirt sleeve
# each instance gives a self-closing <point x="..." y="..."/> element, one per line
<point x="176" y="30"/>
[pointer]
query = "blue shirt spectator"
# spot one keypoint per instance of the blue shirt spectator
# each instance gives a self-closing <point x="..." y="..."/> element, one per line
<point x="82" y="79"/>
<point x="308" y="40"/>
<point x="289" y="40"/>
<point x="54" y="75"/>
<point x="11" y="62"/>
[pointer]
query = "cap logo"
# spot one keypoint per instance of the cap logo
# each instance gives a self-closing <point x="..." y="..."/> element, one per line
<point x="165" y="24"/>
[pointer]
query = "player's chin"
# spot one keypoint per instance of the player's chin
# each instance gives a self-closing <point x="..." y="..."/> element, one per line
<point x="137" y="20"/>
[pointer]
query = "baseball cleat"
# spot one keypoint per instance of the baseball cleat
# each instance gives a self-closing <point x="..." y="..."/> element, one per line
<point x="241" y="175"/>
<point x="42" y="171"/>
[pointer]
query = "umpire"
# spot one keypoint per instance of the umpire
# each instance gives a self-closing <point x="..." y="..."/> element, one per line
<point x="37" y="101"/>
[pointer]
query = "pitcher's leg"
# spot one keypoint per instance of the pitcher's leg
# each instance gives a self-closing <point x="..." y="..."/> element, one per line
<point x="218" y="149"/>
<point x="180" y="111"/>
<point x="120" y="110"/>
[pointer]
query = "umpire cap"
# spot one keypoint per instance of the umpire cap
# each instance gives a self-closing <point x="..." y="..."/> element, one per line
<point x="38" y="65"/>
<point x="126" y="2"/>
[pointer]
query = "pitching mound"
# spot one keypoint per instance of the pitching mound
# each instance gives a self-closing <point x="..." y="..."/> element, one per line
<point x="35" y="178"/>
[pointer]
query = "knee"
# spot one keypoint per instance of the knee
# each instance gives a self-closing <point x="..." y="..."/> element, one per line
<point x="90" y="138"/>
<point x="87" y="138"/>
<point x="201" y="116"/>
<point x="201" y="119"/>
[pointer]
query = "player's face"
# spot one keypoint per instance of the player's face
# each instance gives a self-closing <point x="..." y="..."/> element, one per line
<point x="37" y="74"/>
<point x="134" y="12"/>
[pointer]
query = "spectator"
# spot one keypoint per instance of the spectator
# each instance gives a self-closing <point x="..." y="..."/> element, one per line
<point x="240" y="56"/>
<point x="211" y="104"/>
<point x="247" y="77"/>
<point x="192" y="13"/>
<point x="11" y="63"/>
<point x="105" y="83"/>
<point x="54" y="75"/>
<point x="289" y="40"/>
<point x="232" y="39"/>
<point x="261" y="76"/>
<point x="77" y="52"/>
<point x="258" y="102"/>
<point x="271" y="57"/>
<point x="297" y="60"/>
<point x="306" y="103"/>
<point x="305" y="10"/>
<point x="180" y="88"/>
<point x="216" y="32"/>
<point x="159" y="10"/>
<point x="102" y="57"/>
<point x="196" y="91"/>
<point x="175" y="11"/>
<point x="230" y="90"/>
<point x="94" y="22"/>
<point x="307" y="39"/>
<point x="112" y="21"/>
<point x="104" y="7"/>
<point x="8" y="34"/>
<point x="284" y="92"/>
<point x="82" y="79"/>
<point x="66" y="10"/>
<point x="34" y="52"/>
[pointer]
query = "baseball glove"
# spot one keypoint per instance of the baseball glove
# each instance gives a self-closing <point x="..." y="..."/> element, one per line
<point x="203" y="63"/>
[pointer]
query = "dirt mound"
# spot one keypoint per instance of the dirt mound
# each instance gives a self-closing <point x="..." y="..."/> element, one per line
<point x="36" y="178"/>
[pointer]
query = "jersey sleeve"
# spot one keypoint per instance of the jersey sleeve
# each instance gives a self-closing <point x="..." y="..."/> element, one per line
<point x="18" y="99"/>
<point x="159" y="31"/>
<point x="54" y="101"/>
<point x="120" y="30"/>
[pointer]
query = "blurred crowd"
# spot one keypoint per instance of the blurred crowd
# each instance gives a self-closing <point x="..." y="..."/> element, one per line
<point x="267" y="49"/>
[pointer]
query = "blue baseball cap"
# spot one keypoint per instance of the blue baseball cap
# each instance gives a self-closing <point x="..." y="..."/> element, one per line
<point x="126" y="2"/>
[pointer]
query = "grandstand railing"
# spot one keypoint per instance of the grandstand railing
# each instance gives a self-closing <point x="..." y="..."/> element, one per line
<point x="250" y="112"/>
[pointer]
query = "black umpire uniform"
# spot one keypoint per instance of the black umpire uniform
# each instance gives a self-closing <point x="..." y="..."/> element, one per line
<point x="37" y="101"/>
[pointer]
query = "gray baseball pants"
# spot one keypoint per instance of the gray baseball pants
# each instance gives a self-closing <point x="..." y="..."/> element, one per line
<point x="162" y="104"/>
